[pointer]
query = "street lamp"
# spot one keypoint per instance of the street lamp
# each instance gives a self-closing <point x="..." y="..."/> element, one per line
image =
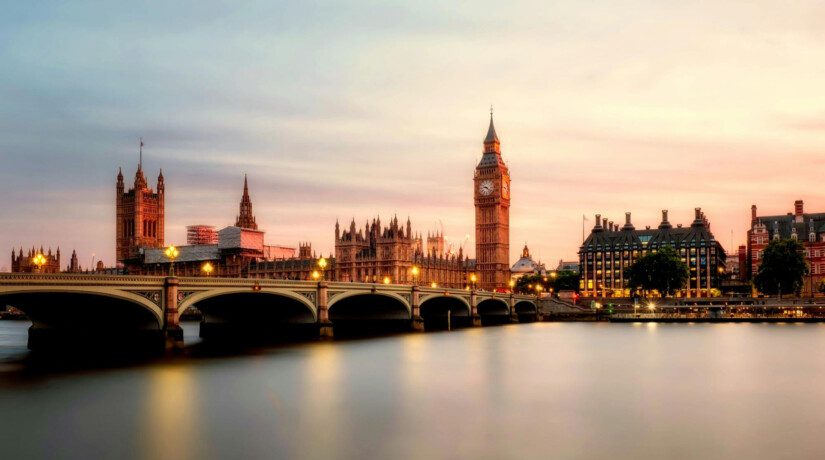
<point x="473" y="279"/>
<point x="414" y="272"/>
<point x="39" y="260"/>
<point x="538" y="290"/>
<point x="315" y="275"/>
<point x="171" y="254"/>
<point x="553" y="275"/>
<point x="433" y="285"/>
<point x="386" y="280"/>
<point x="207" y="268"/>
<point x="512" y="284"/>
<point x="322" y="264"/>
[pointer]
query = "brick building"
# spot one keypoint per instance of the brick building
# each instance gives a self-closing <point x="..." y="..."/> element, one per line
<point x="807" y="228"/>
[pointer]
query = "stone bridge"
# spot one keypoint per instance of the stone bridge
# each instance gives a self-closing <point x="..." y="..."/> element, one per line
<point x="66" y="308"/>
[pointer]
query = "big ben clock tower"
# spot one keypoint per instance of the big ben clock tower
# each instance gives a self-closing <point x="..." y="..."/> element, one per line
<point x="492" y="202"/>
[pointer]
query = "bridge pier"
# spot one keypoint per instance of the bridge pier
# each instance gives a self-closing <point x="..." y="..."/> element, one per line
<point x="513" y="315"/>
<point x="476" y="318"/>
<point x="172" y="332"/>
<point x="325" y="330"/>
<point x="417" y="323"/>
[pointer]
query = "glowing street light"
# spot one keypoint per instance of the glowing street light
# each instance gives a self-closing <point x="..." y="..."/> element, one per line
<point x="433" y="285"/>
<point x="39" y="260"/>
<point x="171" y="254"/>
<point x="386" y="280"/>
<point x="415" y="271"/>
<point x="207" y="268"/>
<point x="553" y="275"/>
<point x="322" y="264"/>
<point x="512" y="284"/>
<point x="473" y="279"/>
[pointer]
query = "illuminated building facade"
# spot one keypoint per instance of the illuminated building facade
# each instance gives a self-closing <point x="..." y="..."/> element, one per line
<point x="376" y="253"/>
<point x="807" y="228"/>
<point x="609" y="250"/>
<point x="492" y="215"/>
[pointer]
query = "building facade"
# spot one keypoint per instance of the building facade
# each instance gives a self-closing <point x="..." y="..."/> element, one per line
<point x="201" y="234"/>
<point x="139" y="217"/>
<point x="377" y="254"/>
<point x="526" y="266"/>
<point x="492" y="215"/>
<point x="807" y="228"/>
<point x="609" y="250"/>
<point x="24" y="263"/>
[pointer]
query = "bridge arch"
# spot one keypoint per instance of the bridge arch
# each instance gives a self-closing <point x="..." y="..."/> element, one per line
<point x="493" y="310"/>
<point x="527" y="310"/>
<point x="436" y="308"/>
<point x="206" y="295"/>
<point x="66" y="317"/>
<point x="367" y="312"/>
<point x="244" y="315"/>
<point x="29" y="299"/>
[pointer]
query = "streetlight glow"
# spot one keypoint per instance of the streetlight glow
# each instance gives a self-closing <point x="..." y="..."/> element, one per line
<point x="207" y="268"/>
<point x="386" y="280"/>
<point x="39" y="260"/>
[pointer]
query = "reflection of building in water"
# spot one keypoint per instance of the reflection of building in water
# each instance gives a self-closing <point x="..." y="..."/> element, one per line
<point x="375" y="253"/>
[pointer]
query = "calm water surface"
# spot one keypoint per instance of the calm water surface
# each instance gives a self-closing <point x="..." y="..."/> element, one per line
<point x="548" y="390"/>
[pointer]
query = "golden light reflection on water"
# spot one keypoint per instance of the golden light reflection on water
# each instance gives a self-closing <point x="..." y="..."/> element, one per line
<point x="321" y="402"/>
<point x="170" y="425"/>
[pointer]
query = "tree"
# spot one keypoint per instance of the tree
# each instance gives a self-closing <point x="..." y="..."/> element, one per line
<point x="782" y="268"/>
<point x="662" y="271"/>
<point x="564" y="280"/>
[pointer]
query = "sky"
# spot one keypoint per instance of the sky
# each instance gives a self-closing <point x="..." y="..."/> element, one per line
<point x="341" y="110"/>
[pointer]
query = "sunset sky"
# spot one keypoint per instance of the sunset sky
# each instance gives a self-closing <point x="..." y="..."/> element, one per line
<point x="375" y="108"/>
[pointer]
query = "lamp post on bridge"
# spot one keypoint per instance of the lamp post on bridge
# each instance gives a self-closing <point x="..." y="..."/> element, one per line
<point x="39" y="260"/>
<point x="172" y="254"/>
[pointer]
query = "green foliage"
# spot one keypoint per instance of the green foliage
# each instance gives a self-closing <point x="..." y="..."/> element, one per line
<point x="662" y="271"/>
<point x="565" y="280"/>
<point x="782" y="268"/>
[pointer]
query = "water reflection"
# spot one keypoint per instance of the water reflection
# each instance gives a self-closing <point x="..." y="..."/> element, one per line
<point x="540" y="390"/>
<point x="170" y="413"/>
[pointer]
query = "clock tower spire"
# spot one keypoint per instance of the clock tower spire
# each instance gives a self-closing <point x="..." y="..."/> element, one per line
<point x="492" y="204"/>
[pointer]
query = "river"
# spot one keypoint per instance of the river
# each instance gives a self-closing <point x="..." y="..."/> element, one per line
<point x="543" y="390"/>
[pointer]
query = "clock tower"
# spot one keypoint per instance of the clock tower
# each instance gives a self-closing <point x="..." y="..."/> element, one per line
<point x="492" y="202"/>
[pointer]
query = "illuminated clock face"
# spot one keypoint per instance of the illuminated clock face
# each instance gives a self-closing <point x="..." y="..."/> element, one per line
<point x="505" y="189"/>
<point x="486" y="187"/>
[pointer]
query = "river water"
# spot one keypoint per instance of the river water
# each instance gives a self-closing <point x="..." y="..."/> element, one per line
<point x="544" y="390"/>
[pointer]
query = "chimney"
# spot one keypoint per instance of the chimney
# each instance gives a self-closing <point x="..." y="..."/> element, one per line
<point x="798" y="209"/>
<point x="610" y="225"/>
<point x="604" y="222"/>
<point x="698" y="212"/>
<point x="598" y="226"/>
<point x="753" y="213"/>
<point x="665" y="223"/>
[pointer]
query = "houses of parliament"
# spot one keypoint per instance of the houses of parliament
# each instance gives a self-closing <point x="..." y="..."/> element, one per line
<point x="376" y="252"/>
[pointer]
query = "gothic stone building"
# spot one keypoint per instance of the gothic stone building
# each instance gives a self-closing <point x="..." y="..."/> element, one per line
<point x="375" y="252"/>
<point x="25" y="263"/>
<point x="609" y="250"/>
<point x="139" y="218"/>
<point x="492" y="206"/>
<point x="808" y="228"/>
